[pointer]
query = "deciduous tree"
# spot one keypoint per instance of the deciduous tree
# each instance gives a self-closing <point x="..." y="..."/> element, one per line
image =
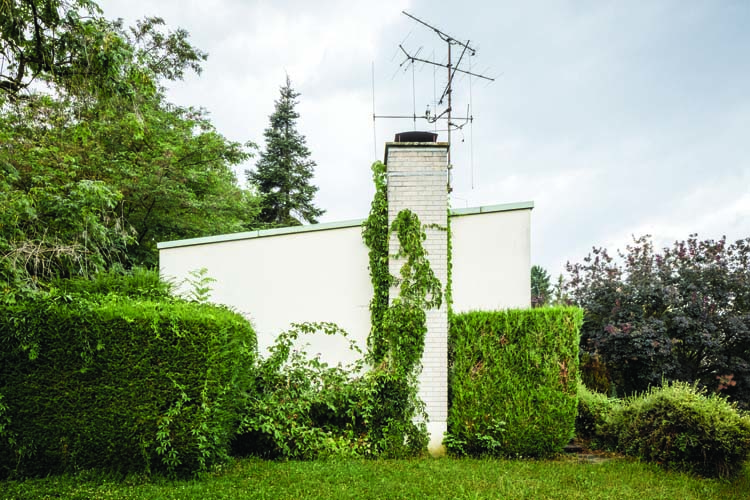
<point x="96" y="167"/>
<point x="68" y="44"/>
<point x="679" y="314"/>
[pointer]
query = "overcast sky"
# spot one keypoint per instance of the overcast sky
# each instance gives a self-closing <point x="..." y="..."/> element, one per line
<point x="615" y="118"/>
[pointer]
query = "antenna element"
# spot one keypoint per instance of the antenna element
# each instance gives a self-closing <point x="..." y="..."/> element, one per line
<point x="446" y="97"/>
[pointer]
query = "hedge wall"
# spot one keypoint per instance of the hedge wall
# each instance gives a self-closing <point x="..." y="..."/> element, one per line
<point x="513" y="379"/>
<point x="122" y="384"/>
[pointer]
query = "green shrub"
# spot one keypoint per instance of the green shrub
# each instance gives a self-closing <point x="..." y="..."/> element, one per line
<point x="513" y="378"/>
<point x="681" y="427"/>
<point x="137" y="282"/>
<point x="593" y="410"/>
<point x="300" y="407"/>
<point x="120" y="384"/>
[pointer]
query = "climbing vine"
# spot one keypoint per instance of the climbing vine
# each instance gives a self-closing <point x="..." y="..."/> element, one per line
<point x="404" y="323"/>
<point x="375" y="235"/>
<point x="418" y="285"/>
<point x="397" y="330"/>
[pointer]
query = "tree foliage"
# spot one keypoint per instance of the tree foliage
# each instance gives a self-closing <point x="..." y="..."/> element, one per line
<point x="284" y="170"/>
<point x="96" y="165"/>
<point x="540" y="286"/>
<point x="679" y="314"/>
<point x="69" y="44"/>
<point x="45" y="39"/>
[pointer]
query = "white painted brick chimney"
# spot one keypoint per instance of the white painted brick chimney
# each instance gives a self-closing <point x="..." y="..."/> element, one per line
<point x="417" y="176"/>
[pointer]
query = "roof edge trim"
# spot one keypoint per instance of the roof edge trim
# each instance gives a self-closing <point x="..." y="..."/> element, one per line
<point x="325" y="226"/>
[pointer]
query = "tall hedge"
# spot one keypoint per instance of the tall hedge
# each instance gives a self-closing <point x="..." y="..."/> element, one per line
<point x="513" y="379"/>
<point x="121" y="384"/>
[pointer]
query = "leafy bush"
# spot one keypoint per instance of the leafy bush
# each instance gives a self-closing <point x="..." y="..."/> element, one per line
<point x="137" y="282"/>
<point x="49" y="228"/>
<point x="681" y="427"/>
<point x="300" y="407"/>
<point x="121" y="384"/>
<point x="593" y="410"/>
<point x="513" y="378"/>
<point x="679" y="314"/>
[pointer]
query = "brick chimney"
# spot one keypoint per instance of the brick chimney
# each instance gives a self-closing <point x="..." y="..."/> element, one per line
<point x="417" y="176"/>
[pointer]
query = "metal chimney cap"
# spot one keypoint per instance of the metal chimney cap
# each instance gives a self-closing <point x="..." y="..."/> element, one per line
<point x="416" y="136"/>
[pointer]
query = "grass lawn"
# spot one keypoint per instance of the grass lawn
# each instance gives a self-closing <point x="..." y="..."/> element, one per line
<point x="445" y="478"/>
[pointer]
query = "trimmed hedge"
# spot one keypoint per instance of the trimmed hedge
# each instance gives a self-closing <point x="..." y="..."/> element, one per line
<point x="681" y="427"/>
<point x="513" y="379"/>
<point x="120" y="384"/>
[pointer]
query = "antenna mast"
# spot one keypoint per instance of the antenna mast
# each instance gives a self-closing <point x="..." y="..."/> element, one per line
<point x="446" y="96"/>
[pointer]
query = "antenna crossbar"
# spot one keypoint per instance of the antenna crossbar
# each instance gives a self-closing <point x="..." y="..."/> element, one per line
<point x="431" y="119"/>
<point x="455" y="68"/>
<point x="444" y="36"/>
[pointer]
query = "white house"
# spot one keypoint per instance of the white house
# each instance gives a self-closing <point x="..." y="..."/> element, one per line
<point x="320" y="272"/>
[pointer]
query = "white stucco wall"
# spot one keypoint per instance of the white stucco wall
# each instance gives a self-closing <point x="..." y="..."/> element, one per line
<point x="280" y="279"/>
<point x="320" y="273"/>
<point x="491" y="259"/>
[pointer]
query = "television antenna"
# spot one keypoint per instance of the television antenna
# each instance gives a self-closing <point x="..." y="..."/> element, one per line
<point x="446" y="98"/>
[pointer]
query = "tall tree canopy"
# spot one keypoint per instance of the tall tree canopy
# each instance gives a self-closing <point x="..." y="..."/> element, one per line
<point x="71" y="45"/>
<point x="45" y="39"/>
<point x="284" y="169"/>
<point x="95" y="165"/>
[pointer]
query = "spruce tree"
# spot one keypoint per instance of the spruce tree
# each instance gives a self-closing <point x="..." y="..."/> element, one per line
<point x="284" y="169"/>
<point x="540" y="286"/>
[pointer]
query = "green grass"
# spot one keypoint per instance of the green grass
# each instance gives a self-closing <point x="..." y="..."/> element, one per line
<point x="398" y="479"/>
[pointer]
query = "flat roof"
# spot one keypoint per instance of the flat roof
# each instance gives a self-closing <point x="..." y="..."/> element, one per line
<point x="325" y="226"/>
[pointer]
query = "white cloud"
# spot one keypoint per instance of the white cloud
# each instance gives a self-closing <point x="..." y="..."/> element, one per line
<point x="615" y="119"/>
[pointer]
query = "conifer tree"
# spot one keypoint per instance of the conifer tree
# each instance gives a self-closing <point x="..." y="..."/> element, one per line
<point x="540" y="286"/>
<point x="284" y="169"/>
